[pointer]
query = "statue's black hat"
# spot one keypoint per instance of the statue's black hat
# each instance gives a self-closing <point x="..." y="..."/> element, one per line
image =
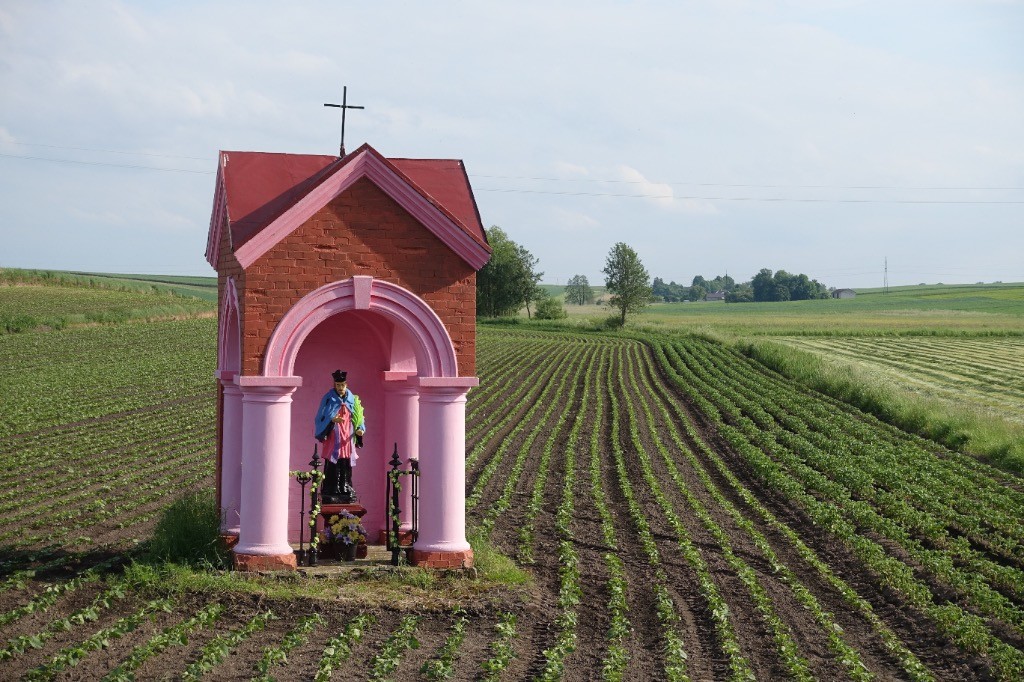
<point x="339" y="375"/>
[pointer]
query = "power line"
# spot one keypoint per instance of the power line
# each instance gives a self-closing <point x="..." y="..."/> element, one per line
<point x="592" y="194"/>
<point x="101" y="163"/>
<point x="743" y="185"/>
<point x="110" y="151"/>
<point x="752" y="199"/>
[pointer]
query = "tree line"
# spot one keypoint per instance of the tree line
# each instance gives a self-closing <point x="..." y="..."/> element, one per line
<point x="510" y="281"/>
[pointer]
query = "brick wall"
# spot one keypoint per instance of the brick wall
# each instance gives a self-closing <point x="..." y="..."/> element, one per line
<point x="361" y="232"/>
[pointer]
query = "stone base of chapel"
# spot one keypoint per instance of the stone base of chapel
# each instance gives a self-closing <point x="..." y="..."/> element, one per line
<point x="427" y="559"/>
<point x="265" y="562"/>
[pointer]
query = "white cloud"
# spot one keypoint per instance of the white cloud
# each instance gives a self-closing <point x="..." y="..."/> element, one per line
<point x="662" y="194"/>
<point x="574" y="221"/>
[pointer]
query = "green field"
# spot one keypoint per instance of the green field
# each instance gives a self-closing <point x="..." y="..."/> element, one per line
<point x="983" y="372"/>
<point x="686" y="508"/>
<point x="30" y="299"/>
<point x="926" y="310"/>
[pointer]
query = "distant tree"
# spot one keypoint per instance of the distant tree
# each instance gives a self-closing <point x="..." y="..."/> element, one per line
<point x="578" y="291"/>
<point x="509" y="279"/>
<point x="670" y="292"/>
<point x="698" y="292"/>
<point x="549" y="308"/>
<point x="784" y="286"/>
<point x="627" y="280"/>
<point x="536" y="296"/>
<point x="699" y="281"/>
<point x="763" y="286"/>
<point x="742" y="293"/>
<point x="659" y="290"/>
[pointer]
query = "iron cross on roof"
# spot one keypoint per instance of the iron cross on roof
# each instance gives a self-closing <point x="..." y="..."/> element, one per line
<point x="343" y="106"/>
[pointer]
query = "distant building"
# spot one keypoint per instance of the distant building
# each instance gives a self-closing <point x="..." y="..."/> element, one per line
<point x="715" y="296"/>
<point x="844" y="293"/>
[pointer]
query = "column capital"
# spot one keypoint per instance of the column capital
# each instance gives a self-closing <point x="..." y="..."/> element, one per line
<point x="225" y="376"/>
<point x="268" y="382"/>
<point x="267" y="388"/>
<point x="444" y="386"/>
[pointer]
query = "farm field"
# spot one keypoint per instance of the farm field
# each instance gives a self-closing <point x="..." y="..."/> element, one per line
<point x="31" y="299"/>
<point x="935" y="310"/>
<point x="684" y="512"/>
<point x="986" y="372"/>
<point x="204" y="288"/>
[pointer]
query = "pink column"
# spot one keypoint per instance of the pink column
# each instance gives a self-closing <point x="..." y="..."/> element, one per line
<point x="401" y="421"/>
<point x="231" y="455"/>
<point x="266" y="443"/>
<point x="442" y="537"/>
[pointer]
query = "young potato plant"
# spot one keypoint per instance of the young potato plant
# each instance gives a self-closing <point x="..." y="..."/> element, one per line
<point x="174" y="635"/>
<point x="442" y="666"/>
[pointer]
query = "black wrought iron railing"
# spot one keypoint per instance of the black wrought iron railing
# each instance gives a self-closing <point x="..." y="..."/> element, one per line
<point x="393" y="520"/>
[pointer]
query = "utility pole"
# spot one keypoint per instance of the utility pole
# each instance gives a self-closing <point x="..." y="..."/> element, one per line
<point x="885" y="281"/>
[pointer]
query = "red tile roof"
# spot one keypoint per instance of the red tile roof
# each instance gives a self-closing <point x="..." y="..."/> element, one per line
<point x="260" y="186"/>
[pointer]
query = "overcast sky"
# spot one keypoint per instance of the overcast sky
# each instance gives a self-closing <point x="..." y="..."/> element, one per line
<point x="815" y="137"/>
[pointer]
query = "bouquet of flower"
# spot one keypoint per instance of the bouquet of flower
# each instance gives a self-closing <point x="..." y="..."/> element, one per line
<point x="345" y="528"/>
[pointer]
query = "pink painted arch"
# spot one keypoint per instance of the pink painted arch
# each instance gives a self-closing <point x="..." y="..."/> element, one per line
<point x="432" y="346"/>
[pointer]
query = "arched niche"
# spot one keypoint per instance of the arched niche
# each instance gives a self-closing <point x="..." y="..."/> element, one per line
<point x="381" y="334"/>
<point x="425" y="334"/>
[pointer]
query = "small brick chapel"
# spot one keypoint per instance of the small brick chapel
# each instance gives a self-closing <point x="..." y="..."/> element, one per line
<point x="360" y="263"/>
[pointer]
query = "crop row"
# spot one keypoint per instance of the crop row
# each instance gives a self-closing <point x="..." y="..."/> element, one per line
<point x="533" y="506"/>
<point x="916" y="469"/>
<point x="675" y="418"/>
<point x="527" y="428"/>
<point x="616" y="657"/>
<point x="720" y="399"/>
<point x="105" y="378"/>
<point x="845" y="654"/>
<point x="211" y="650"/>
<point x="675" y="654"/>
<point x="131" y="488"/>
<point x="123" y="434"/>
<point x="875" y="469"/>
<point x="569" y="588"/>
<point x="523" y="391"/>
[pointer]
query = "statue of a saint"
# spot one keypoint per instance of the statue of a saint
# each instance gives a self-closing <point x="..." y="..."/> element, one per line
<point x="340" y="427"/>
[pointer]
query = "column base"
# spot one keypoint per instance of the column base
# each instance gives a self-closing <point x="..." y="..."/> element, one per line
<point x="265" y="562"/>
<point x="429" y="559"/>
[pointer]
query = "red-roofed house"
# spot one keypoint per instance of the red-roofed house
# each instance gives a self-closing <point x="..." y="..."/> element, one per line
<point x="364" y="264"/>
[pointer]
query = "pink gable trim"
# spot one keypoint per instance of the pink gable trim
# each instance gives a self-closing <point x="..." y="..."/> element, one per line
<point x="218" y="218"/>
<point x="435" y="353"/>
<point x="369" y="166"/>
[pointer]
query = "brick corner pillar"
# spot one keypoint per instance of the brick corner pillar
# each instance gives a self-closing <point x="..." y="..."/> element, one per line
<point x="442" y="449"/>
<point x="266" y="445"/>
<point x="231" y="456"/>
